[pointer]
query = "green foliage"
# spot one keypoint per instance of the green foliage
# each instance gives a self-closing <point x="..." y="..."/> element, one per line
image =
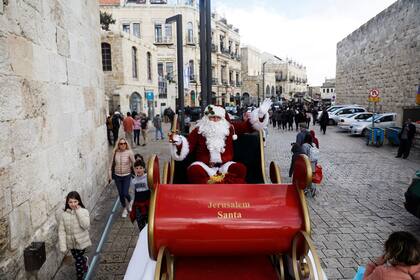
<point x="106" y="19"/>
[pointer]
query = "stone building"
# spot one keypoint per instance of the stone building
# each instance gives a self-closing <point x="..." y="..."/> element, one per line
<point x="327" y="89"/>
<point x="146" y="21"/>
<point x="226" y="62"/>
<point x="52" y="116"/>
<point x="131" y="80"/>
<point x="383" y="53"/>
<point x="282" y="79"/>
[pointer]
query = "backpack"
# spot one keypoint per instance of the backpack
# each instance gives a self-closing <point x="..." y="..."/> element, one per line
<point x="313" y="154"/>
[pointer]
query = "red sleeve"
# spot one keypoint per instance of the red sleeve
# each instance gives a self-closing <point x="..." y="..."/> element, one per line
<point x="242" y="127"/>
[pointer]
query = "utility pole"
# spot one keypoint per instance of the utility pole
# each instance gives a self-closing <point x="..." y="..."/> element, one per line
<point x="180" y="63"/>
<point x="205" y="53"/>
<point x="263" y="81"/>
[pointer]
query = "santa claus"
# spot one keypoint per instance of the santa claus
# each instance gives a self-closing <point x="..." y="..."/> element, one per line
<point x="211" y="143"/>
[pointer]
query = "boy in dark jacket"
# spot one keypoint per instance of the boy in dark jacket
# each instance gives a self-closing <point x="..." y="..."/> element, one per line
<point x="140" y="206"/>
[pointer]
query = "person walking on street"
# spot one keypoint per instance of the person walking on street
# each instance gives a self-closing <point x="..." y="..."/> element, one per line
<point x="116" y="122"/>
<point x="314" y="115"/>
<point x="137" y="128"/>
<point x="144" y="122"/>
<point x="73" y="232"/>
<point x="157" y="123"/>
<point x="109" y="129"/>
<point x="406" y="137"/>
<point x="128" y="124"/>
<point x="323" y="120"/>
<point x="300" y="137"/>
<point x="120" y="171"/>
<point x="140" y="209"/>
<point x="308" y="118"/>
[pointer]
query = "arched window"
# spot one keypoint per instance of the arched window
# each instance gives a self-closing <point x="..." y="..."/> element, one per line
<point x="191" y="70"/>
<point x="190" y="33"/>
<point x="267" y="91"/>
<point x="106" y="57"/>
<point x="149" y="66"/>
<point x="134" y="61"/>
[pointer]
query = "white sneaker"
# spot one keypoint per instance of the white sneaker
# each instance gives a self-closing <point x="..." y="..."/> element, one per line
<point x="130" y="206"/>
<point x="124" y="213"/>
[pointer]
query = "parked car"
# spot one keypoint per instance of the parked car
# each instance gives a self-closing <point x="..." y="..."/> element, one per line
<point x="381" y="120"/>
<point x="346" y="122"/>
<point x="334" y="116"/>
<point x="335" y="107"/>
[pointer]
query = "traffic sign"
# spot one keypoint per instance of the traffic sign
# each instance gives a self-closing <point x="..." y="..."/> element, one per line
<point x="374" y="95"/>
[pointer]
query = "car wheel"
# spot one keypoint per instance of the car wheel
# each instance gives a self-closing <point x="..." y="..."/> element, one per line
<point x="364" y="132"/>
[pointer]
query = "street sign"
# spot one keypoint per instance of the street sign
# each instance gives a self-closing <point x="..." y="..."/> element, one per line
<point x="374" y="95"/>
<point x="149" y="95"/>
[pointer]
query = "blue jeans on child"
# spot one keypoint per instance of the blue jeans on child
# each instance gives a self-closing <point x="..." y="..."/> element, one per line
<point x="159" y="130"/>
<point x="123" y="184"/>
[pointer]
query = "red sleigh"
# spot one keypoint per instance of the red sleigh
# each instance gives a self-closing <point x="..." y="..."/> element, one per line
<point x="232" y="231"/>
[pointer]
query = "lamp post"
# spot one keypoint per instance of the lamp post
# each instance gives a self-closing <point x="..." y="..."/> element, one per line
<point x="258" y="95"/>
<point x="180" y="60"/>
<point x="205" y="53"/>
<point x="263" y="82"/>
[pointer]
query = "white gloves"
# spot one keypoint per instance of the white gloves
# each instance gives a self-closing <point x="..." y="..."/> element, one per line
<point x="265" y="106"/>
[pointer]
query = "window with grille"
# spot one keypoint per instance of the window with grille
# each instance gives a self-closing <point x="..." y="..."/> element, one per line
<point x="106" y="57"/>
<point x="149" y="66"/>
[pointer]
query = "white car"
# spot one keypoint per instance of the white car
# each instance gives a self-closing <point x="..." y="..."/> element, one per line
<point x="345" y="122"/>
<point x="334" y="108"/>
<point x="334" y="116"/>
<point x="381" y="120"/>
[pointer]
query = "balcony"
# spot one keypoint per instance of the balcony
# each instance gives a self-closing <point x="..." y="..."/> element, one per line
<point x="163" y="41"/>
<point x="191" y="41"/>
<point x="214" y="81"/>
<point x="224" y="51"/>
<point x="225" y="82"/>
<point x="238" y="84"/>
<point x="279" y="78"/>
<point x="213" y="48"/>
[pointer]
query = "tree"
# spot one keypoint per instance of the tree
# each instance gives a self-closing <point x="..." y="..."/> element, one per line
<point x="106" y="19"/>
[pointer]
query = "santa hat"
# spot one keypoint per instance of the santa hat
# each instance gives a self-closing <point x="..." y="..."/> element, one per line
<point x="213" y="110"/>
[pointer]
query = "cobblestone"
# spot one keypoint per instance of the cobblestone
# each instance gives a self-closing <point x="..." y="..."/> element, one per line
<point x="360" y="201"/>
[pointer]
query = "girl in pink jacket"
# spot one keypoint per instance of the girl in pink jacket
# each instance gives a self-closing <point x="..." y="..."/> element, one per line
<point x="401" y="260"/>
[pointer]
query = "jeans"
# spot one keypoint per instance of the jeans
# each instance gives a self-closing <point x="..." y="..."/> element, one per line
<point x="137" y="136"/>
<point x="159" y="130"/>
<point x="129" y="137"/>
<point x="123" y="184"/>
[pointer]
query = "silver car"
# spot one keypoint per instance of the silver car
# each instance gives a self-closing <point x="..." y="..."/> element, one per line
<point x="334" y="116"/>
<point x="381" y="120"/>
<point x="346" y="122"/>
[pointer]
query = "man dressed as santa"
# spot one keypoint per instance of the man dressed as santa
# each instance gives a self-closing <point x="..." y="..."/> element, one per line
<point x="211" y="143"/>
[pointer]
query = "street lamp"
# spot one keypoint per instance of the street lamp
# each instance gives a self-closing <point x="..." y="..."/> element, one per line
<point x="263" y="81"/>
<point x="180" y="58"/>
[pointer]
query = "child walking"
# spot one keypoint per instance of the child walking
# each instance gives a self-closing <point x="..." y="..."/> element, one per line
<point x="73" y="232"/>
<point x="140" y="208"/>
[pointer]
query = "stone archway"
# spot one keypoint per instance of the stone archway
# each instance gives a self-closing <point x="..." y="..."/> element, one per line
<point x="136" y="102"/>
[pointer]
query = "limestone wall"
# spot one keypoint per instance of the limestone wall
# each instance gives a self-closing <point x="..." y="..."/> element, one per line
<point x="384" y="53"/>
<point x="52" y="119"/>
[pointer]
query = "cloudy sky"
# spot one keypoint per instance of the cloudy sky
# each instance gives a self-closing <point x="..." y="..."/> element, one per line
<point x="304" y="30"/>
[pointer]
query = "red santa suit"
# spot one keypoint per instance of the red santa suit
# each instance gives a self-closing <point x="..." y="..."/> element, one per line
<point x="211" y="144"/>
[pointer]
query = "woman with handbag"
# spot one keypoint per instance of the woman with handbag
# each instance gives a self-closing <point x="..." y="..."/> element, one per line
<point x="120" y="171"/>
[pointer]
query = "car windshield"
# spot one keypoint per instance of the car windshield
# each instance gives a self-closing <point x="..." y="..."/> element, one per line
<point x="352" y="115"/>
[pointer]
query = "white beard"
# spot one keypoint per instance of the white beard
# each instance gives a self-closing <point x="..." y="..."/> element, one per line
<point x="215" y="134"/>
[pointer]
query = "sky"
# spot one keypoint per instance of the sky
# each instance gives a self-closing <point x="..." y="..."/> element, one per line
<point x="306" y="31"/>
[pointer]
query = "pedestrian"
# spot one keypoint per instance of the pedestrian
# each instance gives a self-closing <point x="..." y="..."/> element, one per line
<point x="296" y="150"/>
<point x="406" y="137"/>
<point x="120" y="171"/>
<point x="73" y="232"/>
<point x="313" y="154"/>
<point x="128" y="124"/>
<point x="109" y="130"/>
<point x="140" y="209"/>
<point x="400" y="261"/>
<point x="290" y="116"/>
<point x="157" y="123"/>
<point x="116" y="121"/>
<point x="314" y="115"/>
<point x="323" y="120"/>
<point x="137" y="128"/>
<point x="314" y="139"/>
<point x="144" y="124"/>
<point x="300" y="137"/>
<point x="308" y="118"/>
<point x="187" y="122"/>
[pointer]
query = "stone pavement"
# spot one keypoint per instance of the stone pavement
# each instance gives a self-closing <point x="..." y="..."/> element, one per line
<point x="359" y="203"/>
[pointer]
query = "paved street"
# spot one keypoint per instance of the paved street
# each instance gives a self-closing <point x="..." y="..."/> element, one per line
<point x="359" y="203"/>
